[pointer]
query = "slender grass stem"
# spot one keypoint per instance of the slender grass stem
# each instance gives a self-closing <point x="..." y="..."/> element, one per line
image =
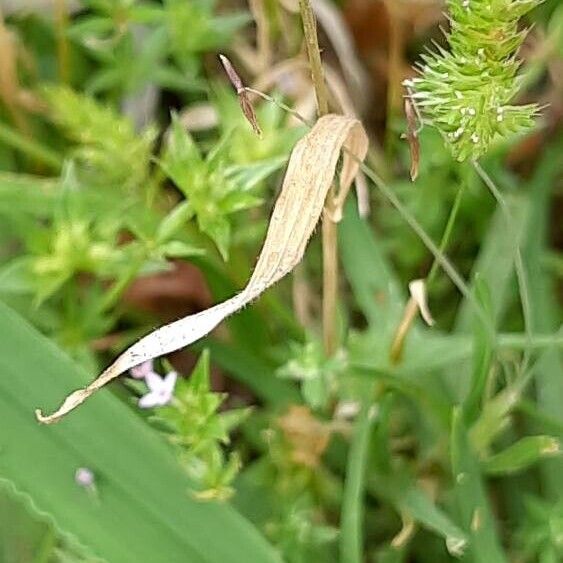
<point x="411" y="307"/>
<point x="329" y="227"/>
<point x="440" y="257"/>
<point x="447" y="232"/>
<point x="409" y="314"/>
<point x="351" y="534"/>
<point x="519" y="267"/>
<point x="63" y="51"/>
<point x="314" y="55"/>
<point x="537" y="341"/>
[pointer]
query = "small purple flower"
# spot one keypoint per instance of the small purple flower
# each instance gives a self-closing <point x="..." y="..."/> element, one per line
<point x="161" y="390"/>
<point x="84" y="477"/>
<point x="142" y="370"/>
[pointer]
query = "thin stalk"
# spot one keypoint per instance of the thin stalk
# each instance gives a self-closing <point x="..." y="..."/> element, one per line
<point x="31" y="148"/>
<point x="63" y="51"/>
<point x="521" y="275"/>
<point x="440" y="258"/>
<point x="396" y="46"/>
<point x="411" y="308"/>
<point x="314" y="55"/>
<point x="537" y="341"/>
<point x="409" y="314"/>
<point x="279" y="104"/>
<point x="351" y="534"/>
<point x="329" y="227"/>
<point x="447" y="233"/>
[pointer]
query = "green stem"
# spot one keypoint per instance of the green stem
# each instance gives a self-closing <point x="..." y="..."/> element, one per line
<point x="447" y="232"/>
<point x="314" y="55"/>
<point x="28" y="146"/>
<point x="519" y="267"/>
<point x="411" y="308"/>
<point x="351" y="533"/>
<point x="440" y="257"/>
<point x="63" y="48"/>
<point x="537" y="341"/>
<point x="329" y="227"/>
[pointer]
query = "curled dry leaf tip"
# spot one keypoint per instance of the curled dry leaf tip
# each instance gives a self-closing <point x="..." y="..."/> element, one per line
<point x="417" y="289"/>
<point x="310" y="172"/>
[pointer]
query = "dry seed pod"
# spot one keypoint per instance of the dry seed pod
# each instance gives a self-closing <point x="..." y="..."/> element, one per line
<point x="310" y="173"/>
<point x="245" y="104"/>
<point x="412" y="138"/>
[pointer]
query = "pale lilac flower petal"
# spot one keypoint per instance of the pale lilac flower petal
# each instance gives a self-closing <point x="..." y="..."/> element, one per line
<point x="84" y="477"/>
<point x="149" y="400"/>
<point x="169" y="382"/>
<point x="142" y="370"/>
<point x="160" y="392"/>
<point x="154" y="382"/>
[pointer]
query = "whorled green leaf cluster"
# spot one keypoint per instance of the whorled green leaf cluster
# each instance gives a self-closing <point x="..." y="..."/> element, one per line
<point x="200" y="431"/>
<point x="466" y="92"/>
<point x="108" y="148"/>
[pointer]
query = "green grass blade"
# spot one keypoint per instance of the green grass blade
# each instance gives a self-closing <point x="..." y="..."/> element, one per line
<point x="351" y="535"/>
<point x="143" y="510"/>
<point x="376" y="290"/>
<point x="549" y="383"/>
<point x="495" y="263"/>
<point x="522" y="454"/>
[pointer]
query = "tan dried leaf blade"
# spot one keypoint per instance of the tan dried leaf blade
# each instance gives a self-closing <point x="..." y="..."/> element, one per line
<point x="310" y="173"/>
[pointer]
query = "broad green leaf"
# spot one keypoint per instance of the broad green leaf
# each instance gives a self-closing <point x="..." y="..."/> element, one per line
<point x="143" y="509"/>
<point x="23" y="537"/>
<point x="493" y="270"/>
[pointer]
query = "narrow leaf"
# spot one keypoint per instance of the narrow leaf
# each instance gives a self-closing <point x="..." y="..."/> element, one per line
<point x="522" y="454"/>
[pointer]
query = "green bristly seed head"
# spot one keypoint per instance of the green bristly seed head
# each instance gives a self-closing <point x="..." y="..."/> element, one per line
<point x="466" y="92"/>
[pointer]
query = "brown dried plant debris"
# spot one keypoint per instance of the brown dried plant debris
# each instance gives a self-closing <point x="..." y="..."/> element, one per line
<point x="307" y="436"/>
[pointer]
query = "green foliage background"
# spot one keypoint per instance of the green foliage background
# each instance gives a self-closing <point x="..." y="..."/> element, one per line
<point x="452" y="452"/>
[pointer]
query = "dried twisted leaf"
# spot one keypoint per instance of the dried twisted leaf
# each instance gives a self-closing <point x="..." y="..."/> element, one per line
<point x="310" y="172"/>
